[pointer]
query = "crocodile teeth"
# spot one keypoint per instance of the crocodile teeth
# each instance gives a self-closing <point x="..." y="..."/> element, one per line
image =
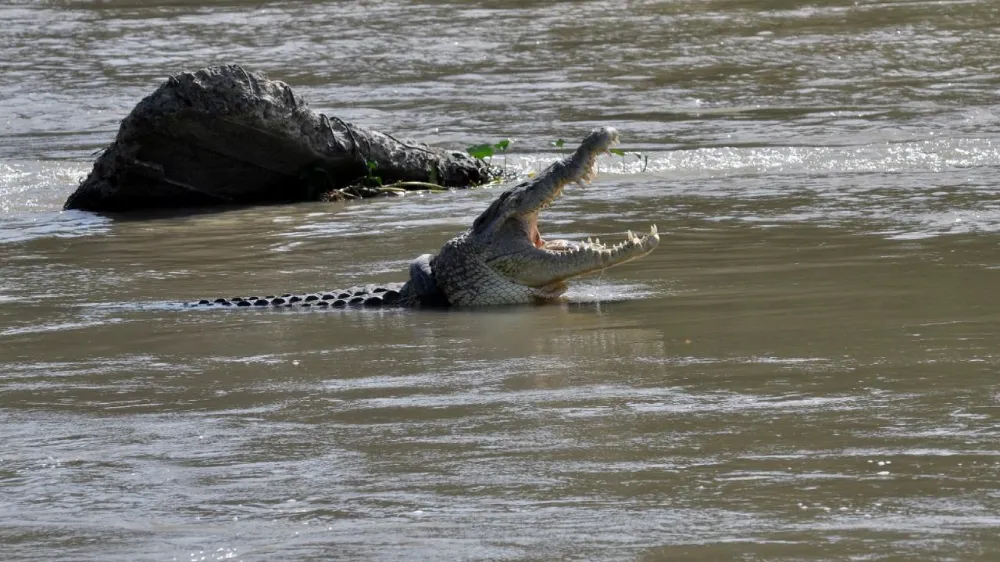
<point x="652" y="230"/>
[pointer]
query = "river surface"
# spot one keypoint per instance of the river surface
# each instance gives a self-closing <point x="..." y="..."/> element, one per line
<point x="805" y="369"/>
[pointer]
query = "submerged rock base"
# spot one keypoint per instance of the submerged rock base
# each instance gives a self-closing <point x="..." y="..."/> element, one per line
<point x="225" y="136"/>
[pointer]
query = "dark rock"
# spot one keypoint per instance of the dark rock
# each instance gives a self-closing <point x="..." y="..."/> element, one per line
<point x="225" y="136"/>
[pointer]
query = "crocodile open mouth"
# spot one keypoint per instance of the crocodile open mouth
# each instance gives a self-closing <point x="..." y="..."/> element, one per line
<point x="523" y="257"/>
<point x="632" y="241"/>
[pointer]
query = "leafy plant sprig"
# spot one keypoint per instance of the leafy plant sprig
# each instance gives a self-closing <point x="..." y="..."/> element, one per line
<point x="371" y="180"/>
<point x="484" y="151"/>
<point x="643" y="157"/>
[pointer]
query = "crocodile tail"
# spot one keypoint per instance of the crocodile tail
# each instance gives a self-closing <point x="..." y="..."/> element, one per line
<point x="371" y="296"/>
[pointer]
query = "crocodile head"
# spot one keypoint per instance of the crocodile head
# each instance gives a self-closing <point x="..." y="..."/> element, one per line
<point x="503" y="258"/>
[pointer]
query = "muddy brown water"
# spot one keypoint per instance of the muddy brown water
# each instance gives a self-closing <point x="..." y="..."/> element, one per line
<point x="805" y="369"/>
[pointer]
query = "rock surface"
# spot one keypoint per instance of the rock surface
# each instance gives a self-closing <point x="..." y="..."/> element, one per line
<point x="225" y="136"/>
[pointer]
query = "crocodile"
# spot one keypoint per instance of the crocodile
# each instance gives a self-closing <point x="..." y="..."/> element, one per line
<point x="502" y="259"/>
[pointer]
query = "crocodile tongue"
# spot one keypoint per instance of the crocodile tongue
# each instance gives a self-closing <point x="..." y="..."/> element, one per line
<point x="553" y="245"/>
<point x="533" y="233"/>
